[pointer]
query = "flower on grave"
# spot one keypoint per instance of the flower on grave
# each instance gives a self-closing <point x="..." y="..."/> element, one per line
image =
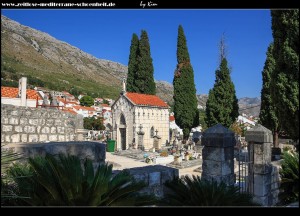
<point x="149" y="159"/>
<point x="164" y="154"/>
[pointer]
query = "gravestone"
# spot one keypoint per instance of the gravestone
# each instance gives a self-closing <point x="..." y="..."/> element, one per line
<point x="156" y="141"/>
<point x="141" y="138"/>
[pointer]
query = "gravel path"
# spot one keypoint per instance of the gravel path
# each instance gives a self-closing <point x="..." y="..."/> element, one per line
<point x="121" y="162"/>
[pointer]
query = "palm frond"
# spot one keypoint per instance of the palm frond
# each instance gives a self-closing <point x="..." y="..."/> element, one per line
<point x="65" y="181"/>
<point x="196" y="192"/>
<point x="289" y="173"/>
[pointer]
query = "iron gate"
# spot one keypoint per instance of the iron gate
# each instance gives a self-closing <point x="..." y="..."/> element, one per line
<point x="243" y="175"/>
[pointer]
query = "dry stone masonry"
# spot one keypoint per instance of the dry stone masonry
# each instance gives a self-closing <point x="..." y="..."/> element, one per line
<point x="26" y="125"/>
<point x="218" y="155"/>
<point x="94" y="151"/>
<point x="263" y="175"/>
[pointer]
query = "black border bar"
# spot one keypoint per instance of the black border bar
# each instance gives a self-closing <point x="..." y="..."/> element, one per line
<point x="150" y="4"/>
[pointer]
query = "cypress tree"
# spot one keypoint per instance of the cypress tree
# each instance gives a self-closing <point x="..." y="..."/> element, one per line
<point x="267" y="115"/>
<point x="285" y="85"/>
<point x="144" y="80"/>
<point x="222" y="105"/>
<point x="185" y="101"/>
<point x="132" y="64"/>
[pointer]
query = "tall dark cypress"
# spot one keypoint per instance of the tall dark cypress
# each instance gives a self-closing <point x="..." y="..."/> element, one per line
<point x="132" y="64"/>
<point x="267" y="115"/>
<point x="222" y="104"/>
<point x="144" y="79"/>
<point x="285" y="85"/>
<point x="185" y="100"/>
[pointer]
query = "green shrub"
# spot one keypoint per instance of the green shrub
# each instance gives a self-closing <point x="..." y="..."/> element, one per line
<point x="63" y="181"/>
<point x="193" y="191"/>
<point x="289" y="173"/>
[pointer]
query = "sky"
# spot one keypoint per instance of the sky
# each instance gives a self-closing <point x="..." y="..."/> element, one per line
<point x="106" y="34"/>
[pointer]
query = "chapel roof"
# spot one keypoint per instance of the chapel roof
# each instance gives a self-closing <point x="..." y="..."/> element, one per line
<point x="145" y="99"/>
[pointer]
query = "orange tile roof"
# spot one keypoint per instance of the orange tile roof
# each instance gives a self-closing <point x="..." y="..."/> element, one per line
<point x="70" y="111"/>
<point x="146" y="100"/>
<point x="12" y="92"/>
<point x="172" y="118"/>
<point x="105" y="105"/>
<point x="61" y="99"/>
<point x="67" y="94"/>
<point x="84" y="108"/>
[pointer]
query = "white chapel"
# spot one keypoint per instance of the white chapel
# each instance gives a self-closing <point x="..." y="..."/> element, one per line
<point x="134" y="114"/>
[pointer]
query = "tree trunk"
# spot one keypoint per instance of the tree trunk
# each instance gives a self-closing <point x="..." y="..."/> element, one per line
<point x="275" y="139"/>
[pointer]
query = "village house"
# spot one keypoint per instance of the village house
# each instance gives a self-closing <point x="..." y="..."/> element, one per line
<point x="65" y="103"/>
<point x="85" y="111"/>
<point x="134" y="113"/>
<point x="21" y="96"/>
<point x="245" y="121"/>
<point x="105" y="107"/>
<point x="69" y="97"/>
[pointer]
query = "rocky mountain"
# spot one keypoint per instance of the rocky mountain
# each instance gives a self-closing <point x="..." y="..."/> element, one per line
<point x="165" y="91"/>
<point x="202" y="98"/>
<point x="29" y="52"/>
<point x="57" y="65"/>
<point x="250" y="106"/>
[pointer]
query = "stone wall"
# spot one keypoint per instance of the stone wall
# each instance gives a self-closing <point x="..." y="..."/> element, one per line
<point x="91" y="150"/>
<point x="275" y="181"/>
<point x="263" y="174"/>
<point x="154" y="177"/>
<point x="27" y="124"/>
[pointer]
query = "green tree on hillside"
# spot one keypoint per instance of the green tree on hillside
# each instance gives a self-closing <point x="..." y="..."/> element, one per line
<point x="132" y="64"/>
<point x="92" y="123"/>
<point x="267" y="115"/>
<point x="86" y="101"/>
<point x="285" y="85"/>
<point x="185" y="101"/>
<point x="202" y="122"/>
<point x="222" y="104"/>
<point x="144" y="80"/>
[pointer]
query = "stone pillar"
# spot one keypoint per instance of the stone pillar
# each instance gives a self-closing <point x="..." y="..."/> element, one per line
<point x="141" y="138"/>
<point x="79" y="130"/>
<point x="260" y="140"/>
<point x="217" y="155"/>
<point x="22" y="90"/>
<point x="157" y="142"/>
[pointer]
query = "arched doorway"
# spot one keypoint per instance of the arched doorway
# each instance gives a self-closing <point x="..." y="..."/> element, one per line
<point x="122" y="129"/>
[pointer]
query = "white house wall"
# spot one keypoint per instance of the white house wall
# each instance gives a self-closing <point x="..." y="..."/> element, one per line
<point x="140" y="115"/>
<point x="155" y="117"/>
<point x="17" y="102"/>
